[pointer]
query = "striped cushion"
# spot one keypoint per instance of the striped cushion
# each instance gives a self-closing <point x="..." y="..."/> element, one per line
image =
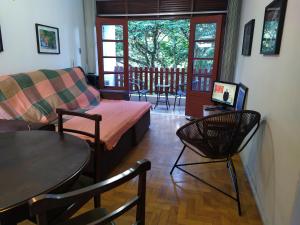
<point x="35" y="96"/>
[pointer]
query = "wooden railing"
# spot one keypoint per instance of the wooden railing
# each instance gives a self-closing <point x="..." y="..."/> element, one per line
<point x="149" y="78"/>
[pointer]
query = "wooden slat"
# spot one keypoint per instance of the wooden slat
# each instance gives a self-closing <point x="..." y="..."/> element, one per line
<point x="161" y="77"/>
<point x="141" y="74"/>
<point x="135" y="75"/>
<point x="167" y="76"/>
<point x="156" y="78"/>
<point x="158" y="6"/>
<point x="172" y="81"/>
<point x="151" y="80"/>
<point x="146" y="78"/>
<point x="177" y="77"/>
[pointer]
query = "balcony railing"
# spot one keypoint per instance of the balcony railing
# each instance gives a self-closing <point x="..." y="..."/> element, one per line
<point x="151" y="77"/>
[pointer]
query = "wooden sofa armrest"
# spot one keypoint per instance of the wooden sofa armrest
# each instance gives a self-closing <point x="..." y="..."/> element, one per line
<point x="20" y="125"/>
<point x="114" y="94"/>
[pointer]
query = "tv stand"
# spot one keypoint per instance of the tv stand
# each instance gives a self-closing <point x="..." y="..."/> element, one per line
<point x="215" y="109"/>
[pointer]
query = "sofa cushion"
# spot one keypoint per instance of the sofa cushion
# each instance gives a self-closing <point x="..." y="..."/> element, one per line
<point x="118" y="116"/>
<point x="35" y="96"/>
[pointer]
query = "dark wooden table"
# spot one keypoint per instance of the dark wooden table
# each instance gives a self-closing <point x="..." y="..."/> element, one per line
<point x="33" y="163"/>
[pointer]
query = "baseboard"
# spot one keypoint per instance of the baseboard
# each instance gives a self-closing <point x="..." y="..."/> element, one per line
<point x="256" y="195"/>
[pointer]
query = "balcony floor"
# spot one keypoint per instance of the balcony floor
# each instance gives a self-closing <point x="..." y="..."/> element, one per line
<point x="161" y="108"/>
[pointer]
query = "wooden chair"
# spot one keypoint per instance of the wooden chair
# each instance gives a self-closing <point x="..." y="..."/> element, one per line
<point x="93" y="169"/>
<point x="41" y="205"/>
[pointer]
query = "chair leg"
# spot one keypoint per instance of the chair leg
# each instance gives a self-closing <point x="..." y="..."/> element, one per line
<point x="146" y="98"/>
<point x="97" y="201"/>
<point x="233" y="176"/>
<point x="175" y="102"/>
<point x="178" y="159"/>
<point x="139" y="96"/>
<point x="179" y="100"/>
<point x="157" y="99"/>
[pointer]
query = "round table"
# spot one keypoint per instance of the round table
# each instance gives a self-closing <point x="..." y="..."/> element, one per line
<point x="162" y="88"/>
<point x="33" y="163"/>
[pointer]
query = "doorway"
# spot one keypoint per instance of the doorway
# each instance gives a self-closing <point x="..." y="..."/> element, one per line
<point x="182" y="54"/>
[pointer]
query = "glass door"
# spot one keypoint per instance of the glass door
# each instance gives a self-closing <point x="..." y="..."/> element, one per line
<point x="112" y="41"/>
<point x="204" y="54"/>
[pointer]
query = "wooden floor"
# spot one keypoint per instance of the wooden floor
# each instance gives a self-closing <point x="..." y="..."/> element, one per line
<point x="180" y="199"/>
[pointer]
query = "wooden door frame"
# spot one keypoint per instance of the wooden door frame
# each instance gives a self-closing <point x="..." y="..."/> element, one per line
<point x="217" y="56"/>
<point x="111" y="21"/>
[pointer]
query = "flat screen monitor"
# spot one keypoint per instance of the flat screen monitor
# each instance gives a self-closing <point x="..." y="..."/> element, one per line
<point x="241" y="97"/>
<point x="224" y="93"/>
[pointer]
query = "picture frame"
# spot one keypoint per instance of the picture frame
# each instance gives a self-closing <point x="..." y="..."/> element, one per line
<point x="47" y="39"/>
<point x="248" y="38"/>
<point x="1" y="43"/>
<point x="273" y="27"/>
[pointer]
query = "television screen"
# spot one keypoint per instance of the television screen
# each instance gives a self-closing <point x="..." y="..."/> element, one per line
<point x="224" y="93"/>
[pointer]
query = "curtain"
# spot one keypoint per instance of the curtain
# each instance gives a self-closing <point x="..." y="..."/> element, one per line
<point x="230" y="44"/>
<point x="89" y="7"/>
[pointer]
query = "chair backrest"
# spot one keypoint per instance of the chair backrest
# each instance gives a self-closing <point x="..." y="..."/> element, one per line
<point x="96" y="118"/>
<point x="134" y="86"/>
<point x="220" y="136"/>
<point x="41" y="205"/>
<point x="96" y="145"/>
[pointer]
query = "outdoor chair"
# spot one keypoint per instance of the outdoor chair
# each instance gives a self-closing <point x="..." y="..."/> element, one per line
<point x="218" y="137"/>
<point x="42" y="205"/>
<point x="179" y="93"/>
<point x="137" y="86"/>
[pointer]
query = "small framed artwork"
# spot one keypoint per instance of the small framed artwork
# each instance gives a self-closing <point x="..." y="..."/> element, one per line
<point x="273" y="27"/>
<point x="47" y="39"/>
<point x="248" y="37"/>
<point x="1" y="44"/>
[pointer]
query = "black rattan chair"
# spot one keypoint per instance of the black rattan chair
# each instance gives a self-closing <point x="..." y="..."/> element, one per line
<point x="219" y="137"/>
<point x="43" y="205"/>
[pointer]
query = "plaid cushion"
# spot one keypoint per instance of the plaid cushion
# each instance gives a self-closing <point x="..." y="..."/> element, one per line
<point x="35" y="96"/>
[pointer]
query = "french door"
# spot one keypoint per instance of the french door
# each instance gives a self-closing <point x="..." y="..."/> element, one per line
<point x="112" y="42"/>
<point x="204" y="58"/>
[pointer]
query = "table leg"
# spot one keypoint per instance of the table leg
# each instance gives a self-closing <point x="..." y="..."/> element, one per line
<point x="157" y="99"/>
<point x="167" y="99"/>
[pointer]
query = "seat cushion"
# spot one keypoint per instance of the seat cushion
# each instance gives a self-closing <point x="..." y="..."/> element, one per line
<point x="118" y="116"/>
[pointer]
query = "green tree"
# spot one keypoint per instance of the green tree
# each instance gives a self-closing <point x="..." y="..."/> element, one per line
<point x="158" y="43"/>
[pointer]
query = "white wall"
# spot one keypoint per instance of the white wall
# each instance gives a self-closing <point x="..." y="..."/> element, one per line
<point x="272" y="160"/>
<point x="17" y="21"/>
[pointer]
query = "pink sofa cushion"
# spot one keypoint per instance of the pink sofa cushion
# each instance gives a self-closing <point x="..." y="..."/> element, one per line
<point x="118" y="116"/>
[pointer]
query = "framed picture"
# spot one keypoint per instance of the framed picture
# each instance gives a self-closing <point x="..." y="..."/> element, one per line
<point x="273" y="27"/>
<point x="1" y="44"/>
<point x="47" y="39"/>
<point x="248" y="37"/>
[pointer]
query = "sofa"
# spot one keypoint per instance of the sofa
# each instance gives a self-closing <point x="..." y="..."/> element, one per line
<point x="29" y="101"/>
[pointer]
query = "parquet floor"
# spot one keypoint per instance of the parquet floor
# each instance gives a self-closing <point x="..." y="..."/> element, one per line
<point x="180" y="199"/>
